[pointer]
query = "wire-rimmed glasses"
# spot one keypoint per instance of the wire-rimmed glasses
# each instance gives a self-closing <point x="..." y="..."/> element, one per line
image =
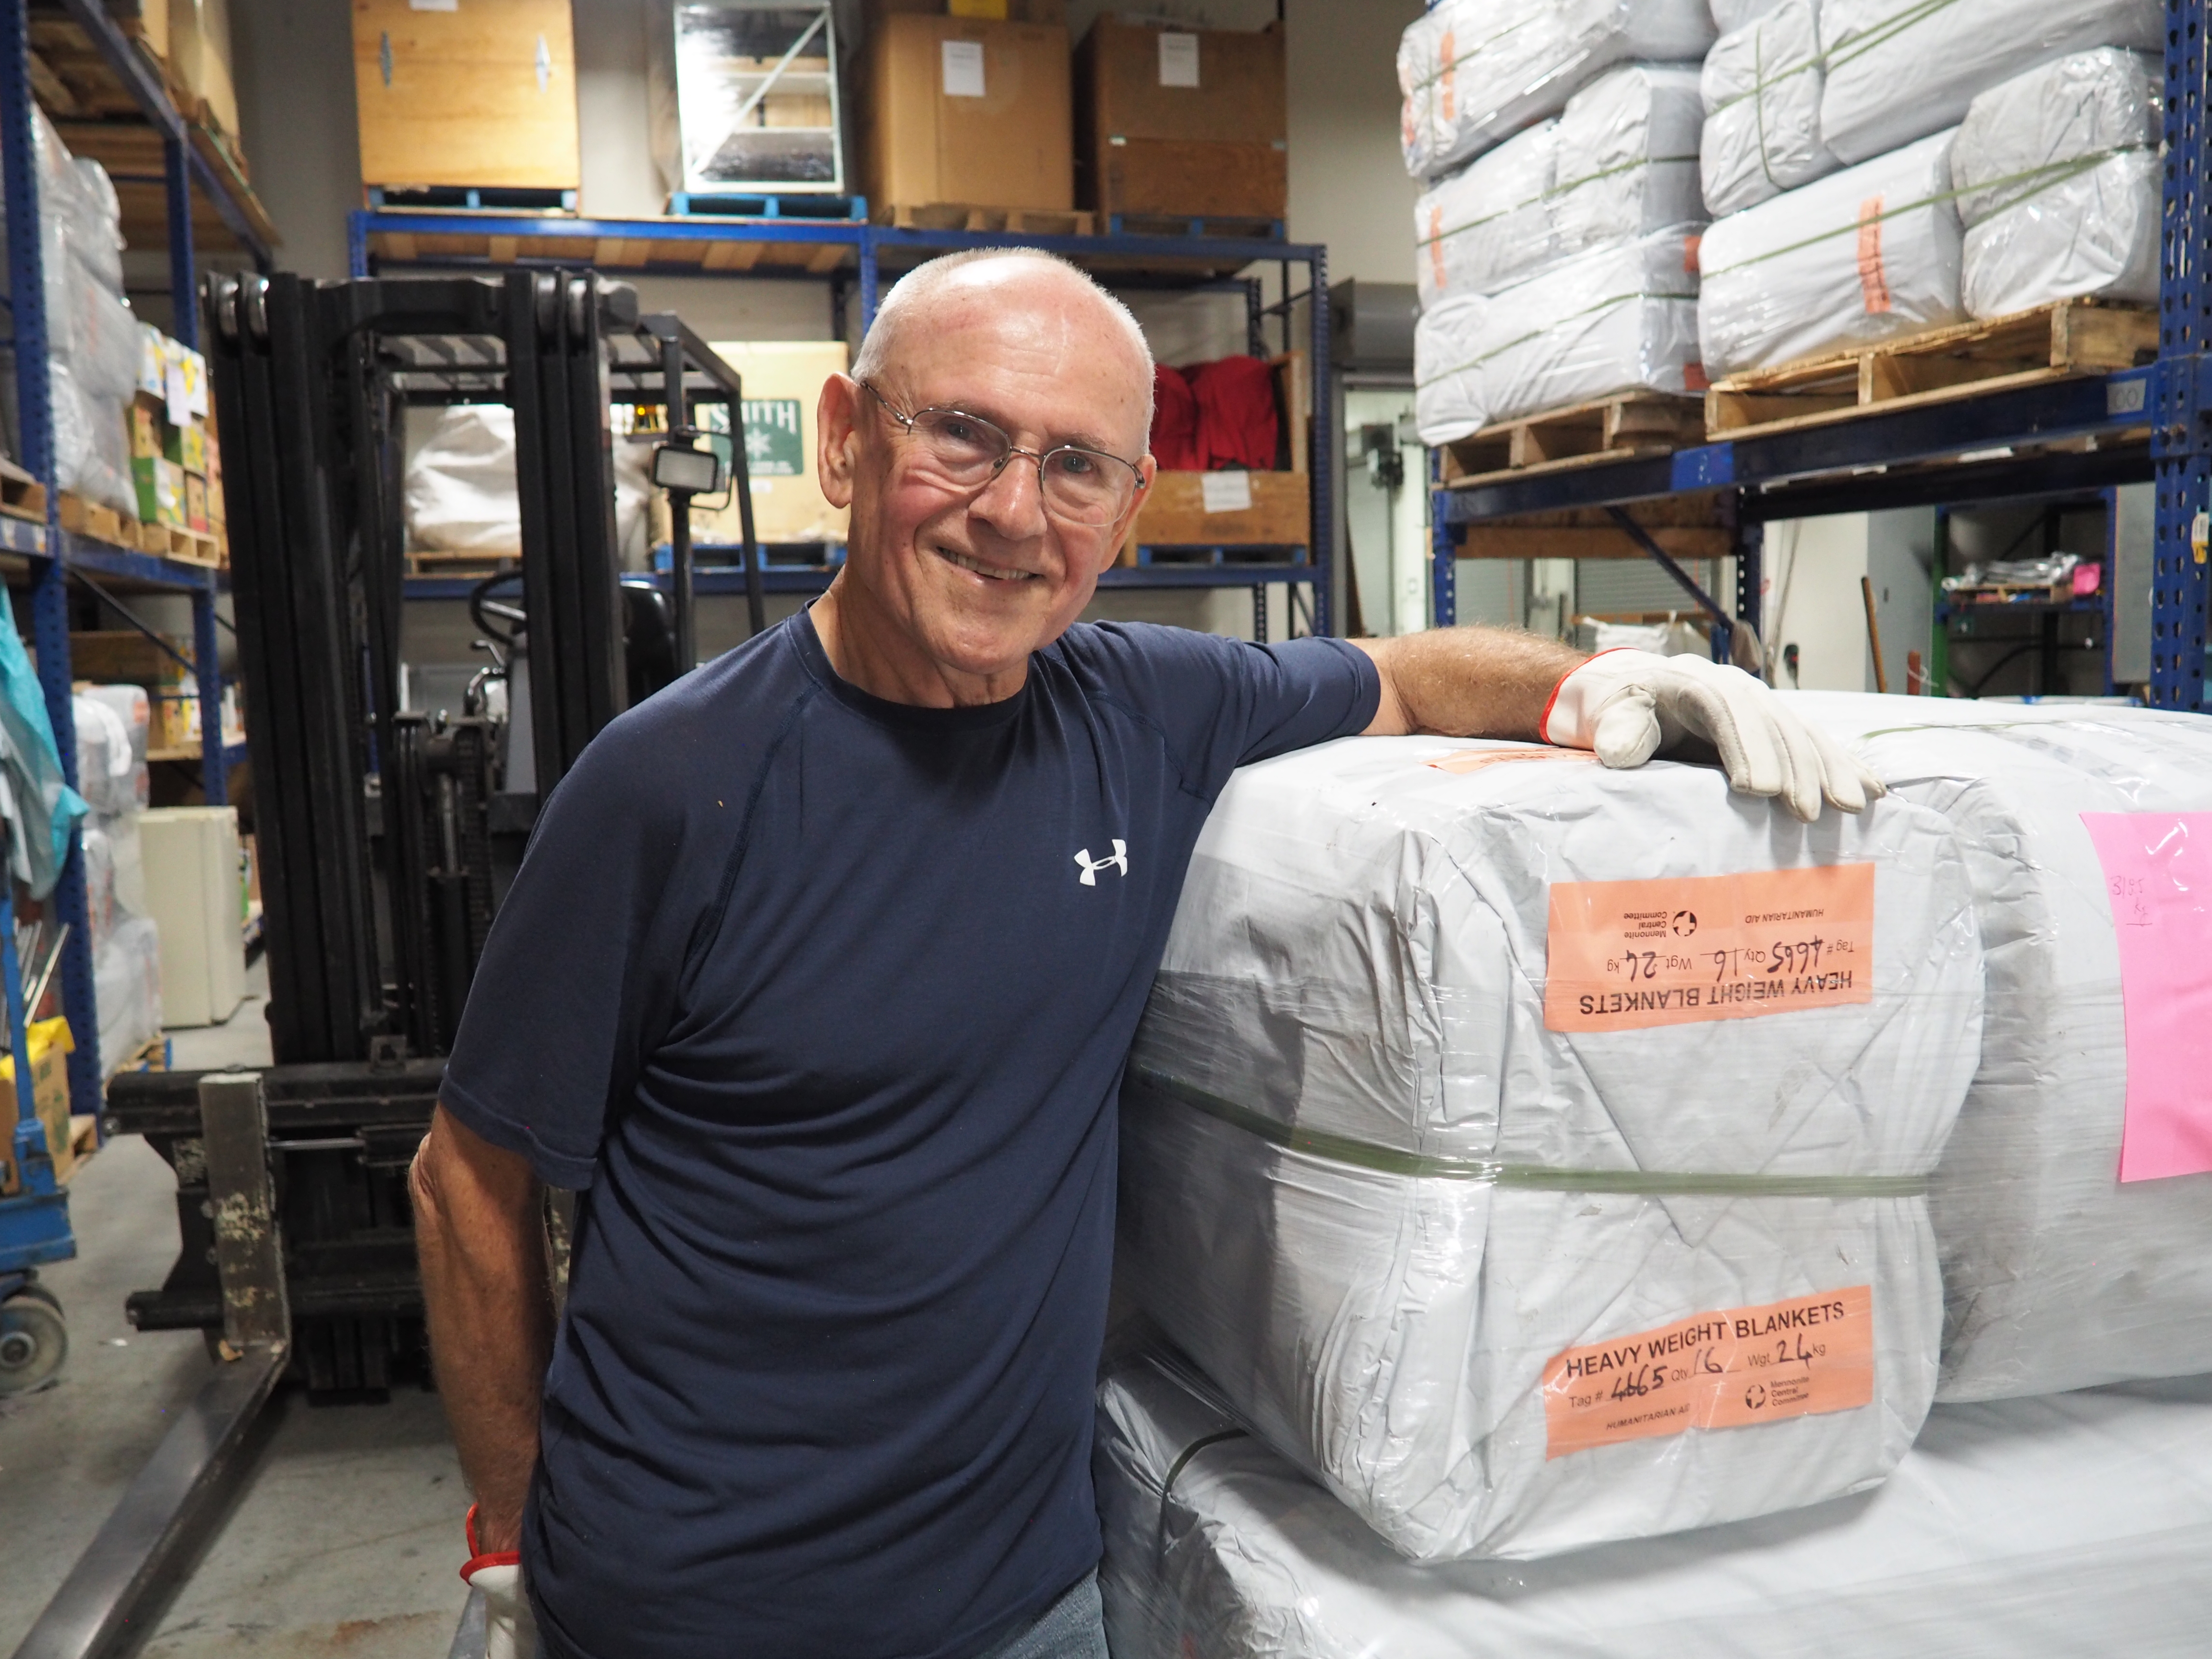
<point x="1082" y="486"/>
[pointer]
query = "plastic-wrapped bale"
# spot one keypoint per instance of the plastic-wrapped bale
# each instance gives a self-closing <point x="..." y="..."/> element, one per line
<point x="2036" y="1528"/>
<point x="1730" y="15"/>
<point x="1898" y="69"/>
<point x="127" y="988"/>
<point x="1619" y="318"/>
<point x="2059" y="183"/>
<point x="1448" y="394"/>
<point x="2058" y="1274"/>
<point x="1472" y="71"/>
<point x="1761" y="86"/>
<point x="1628" y="156"/>
<point x="1495" y="1116"/>
<point x="1869" y="254"/>
<point x="1485" y="227"/>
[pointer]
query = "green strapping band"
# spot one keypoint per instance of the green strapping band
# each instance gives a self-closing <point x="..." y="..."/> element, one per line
<point x="1393" y="1161"/>
<point x="1605" y="304"/>
<point x="1450" y="231"/>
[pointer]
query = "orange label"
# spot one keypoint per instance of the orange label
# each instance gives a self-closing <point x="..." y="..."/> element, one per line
<point x="1624" y="955"/>
<point x="1730" y="1369"/>
<point x="1448" y="50"/>
<point x="1436" y="246"/>
<point x="1476" y="760"/>
<point x="1694" y="378"/>
<point x="1873" y="284"/>
<point x="1690" y="246"/>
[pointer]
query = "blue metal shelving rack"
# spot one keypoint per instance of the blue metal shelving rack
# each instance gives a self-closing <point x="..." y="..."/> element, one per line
<point x="1923" y="456"/>
<point x="858" y="253"/>
<point x="53" y="557"/>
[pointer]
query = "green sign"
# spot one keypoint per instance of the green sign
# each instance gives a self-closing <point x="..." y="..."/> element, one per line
<point x="774" y="445"/>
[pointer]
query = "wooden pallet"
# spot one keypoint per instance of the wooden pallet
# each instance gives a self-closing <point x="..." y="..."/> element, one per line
<point x="1012" y="222"/>
<point x="1629" y="423"/>
<point x="462" y="564"/>
<point x="170" y="541"/>
<point x="21" y="496"/>
<point x="2051" y="343"/>
<point x="103" y="524"/>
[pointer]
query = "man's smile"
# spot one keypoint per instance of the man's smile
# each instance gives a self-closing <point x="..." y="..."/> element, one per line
<point x="996" y="572"/>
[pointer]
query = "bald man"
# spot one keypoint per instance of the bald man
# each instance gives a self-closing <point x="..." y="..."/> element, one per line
<point x="816" y="983"/>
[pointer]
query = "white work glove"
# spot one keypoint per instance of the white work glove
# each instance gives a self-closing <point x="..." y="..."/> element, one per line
<point x="510" y="1631"/>
<point x="1628" y="705"/>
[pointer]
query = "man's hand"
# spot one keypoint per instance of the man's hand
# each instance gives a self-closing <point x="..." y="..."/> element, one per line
<point x="510" y="1628"/>
<point x="1629" y="705"/>
<point x="480" y="1234"/>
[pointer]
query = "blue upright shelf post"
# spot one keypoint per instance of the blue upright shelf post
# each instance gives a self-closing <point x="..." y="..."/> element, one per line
<point x="50" y="580"/>
<point x="2180" y="441"/>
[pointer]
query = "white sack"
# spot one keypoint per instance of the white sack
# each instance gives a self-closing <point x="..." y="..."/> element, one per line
<point x="2036" y="1528"/>
<point x="1620" y="319"/>
<point x="1472" y="71"/>
<point x="2051" y="124"/>
<point x="460" y="490"/>
<point x="1869" y="254"/>
<point x="1447" y="398"/>
<point x="1360" y="955"/>
<point x="127" y="988"/>
<point x="92" y="446"/>
<point x="1899" y="70"/>
<point x="1628" y="156"/>
<point x="1485" y="227"/>
<point x="110" y="774"/>
<point x="1761" y="87"/>
<point x="2093" y="234"/>
<point x="2057" y="1276"/>
<point x="1731" y="15"/>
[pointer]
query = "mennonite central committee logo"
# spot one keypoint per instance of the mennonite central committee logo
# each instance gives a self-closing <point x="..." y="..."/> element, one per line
<point x="1092" y="867"/>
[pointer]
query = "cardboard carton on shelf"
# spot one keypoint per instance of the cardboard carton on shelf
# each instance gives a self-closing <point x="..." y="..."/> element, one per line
<point x="965" y="111"/>
<point x="783" y="386"/>
<point x="1181" y="123"/>
<point x="992" y="12"/>
<point x="477" y="95"/>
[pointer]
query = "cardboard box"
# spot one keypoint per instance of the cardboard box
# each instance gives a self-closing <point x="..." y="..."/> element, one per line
<point x="196" y="513"/>
<point x="783" y="387"/>
<point x="123" y="656"/>
<point x="1003" y="11"/>
<point x="175" y="722"/>
<point x="1183" y="123"/>
<point x="51" y="1046"/>
<point x="191" y="448"/>
<point x="143" y="20"/>
<point x="160" y="485"/>
<point x="1178" y="513"/>
<point x="457" y="97"/>
<point x="199" y="58"/>
<point x="147" y="439"/>
<point x="962" y="111"/>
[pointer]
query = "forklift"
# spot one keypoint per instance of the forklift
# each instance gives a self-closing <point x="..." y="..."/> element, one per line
<point x="387" y="838"/>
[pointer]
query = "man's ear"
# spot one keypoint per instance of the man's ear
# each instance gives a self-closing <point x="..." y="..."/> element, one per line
<point x="837" y="447"/>
<point x="1147" y="469"/>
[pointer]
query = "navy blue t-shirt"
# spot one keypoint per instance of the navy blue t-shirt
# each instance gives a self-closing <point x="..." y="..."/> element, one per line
<point x="823" y="1001"/>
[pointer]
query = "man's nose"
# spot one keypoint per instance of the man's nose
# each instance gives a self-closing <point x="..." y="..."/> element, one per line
<point x="1012" y="503"/>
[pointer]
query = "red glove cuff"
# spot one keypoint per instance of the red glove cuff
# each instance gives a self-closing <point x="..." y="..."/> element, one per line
<point x="480" y="1558"/>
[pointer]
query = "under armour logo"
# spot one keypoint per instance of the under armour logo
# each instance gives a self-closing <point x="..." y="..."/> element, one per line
<point x="1089" y="876"/>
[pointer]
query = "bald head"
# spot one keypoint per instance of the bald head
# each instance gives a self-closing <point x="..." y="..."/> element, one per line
<point x="1037" y="292"/>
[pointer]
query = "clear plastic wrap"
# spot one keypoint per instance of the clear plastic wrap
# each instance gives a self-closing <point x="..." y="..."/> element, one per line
<point x="92" y="448"/>
<point x="1472" y="71"/>
<point x="2034" y="1529"/>
<point x="1448" y="401"/>
<point x="1898" y="69"/>
<point x="1730" y="15"/>
<point x="1486" y="226"/>
<point x="1385" y="1171"/>
<point x="1619" y="318"/>
<point x="1868" y="254"/>
<point x="2053" y="123"/>
<point x="2057" y="1274"/>
<point x="127" y="988"/>
<point x="2090" y="234"/>
<point x="111" y="764"/>
<point x="1628" y="156"/>
<point x="459" y="494"/>
<point x="1761" y="87"/>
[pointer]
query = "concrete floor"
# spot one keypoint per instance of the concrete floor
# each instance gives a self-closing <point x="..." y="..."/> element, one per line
<point x="345" y="1536"/>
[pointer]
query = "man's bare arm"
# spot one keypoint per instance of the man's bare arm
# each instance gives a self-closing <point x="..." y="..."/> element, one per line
<point x="1466" y="681"/>
<point x="480" y="1232"/>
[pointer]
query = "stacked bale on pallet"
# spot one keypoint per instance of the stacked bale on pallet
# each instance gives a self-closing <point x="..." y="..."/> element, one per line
<point x="1804" y="258"/>
<point x="113" y="730"/>
<point x="1552" y="265"/>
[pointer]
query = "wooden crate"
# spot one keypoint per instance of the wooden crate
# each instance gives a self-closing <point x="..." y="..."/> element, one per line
<point x="963" y="215"/>
<point x="21" y="496"/>
<point x="1012" y="147"/>
<point x="1149" y="144"/>
<point x="456" y="97"/>
<point x="1174" y="514"/>
<point x="2051" y="343"/>
<point x="1629" y="423"/>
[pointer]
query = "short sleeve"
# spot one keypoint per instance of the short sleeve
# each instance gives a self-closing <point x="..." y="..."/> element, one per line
<point x="1223" y="703"/>
<point x="581" y="971"/>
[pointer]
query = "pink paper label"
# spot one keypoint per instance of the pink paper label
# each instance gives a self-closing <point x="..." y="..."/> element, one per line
<point x="2158" y="873"/>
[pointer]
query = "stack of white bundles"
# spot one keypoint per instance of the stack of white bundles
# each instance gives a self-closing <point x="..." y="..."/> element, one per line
<point x="2059" y="1271"/>
<point x="1628" y="156"/>
<point x="1472" y="71"/>
<point x="112" y="730"/>
<point x="1448" y="395"/>
<point x="2058" y="181"/>
<point x="2035" y="1528"/>
<point x="1617" y="319"/>
<point x="1485" y="227"/>
<point x="1537" y="1153"/>
<point x="1898" y="69"/>
<point x="1868" y="254"/>
<point x="1761" y="87"/>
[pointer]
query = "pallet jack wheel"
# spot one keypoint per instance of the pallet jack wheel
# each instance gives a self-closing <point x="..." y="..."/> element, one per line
<point x="34" y="1341"/>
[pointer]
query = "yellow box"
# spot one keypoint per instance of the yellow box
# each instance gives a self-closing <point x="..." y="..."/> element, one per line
<point x="993" y="9"/>
<point x="51" y="1047"/>
<point x="146" y="437"/>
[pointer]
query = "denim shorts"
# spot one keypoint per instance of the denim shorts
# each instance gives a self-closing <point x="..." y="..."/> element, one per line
<point x="1074" y="1627"/>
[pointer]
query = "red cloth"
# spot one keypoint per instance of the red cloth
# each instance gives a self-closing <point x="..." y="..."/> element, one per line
<point x="1236" y="414"/>
<point x="1174" y="420"/>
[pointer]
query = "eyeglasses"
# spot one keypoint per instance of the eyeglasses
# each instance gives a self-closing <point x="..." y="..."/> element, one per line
<point x="1082" y="486"/>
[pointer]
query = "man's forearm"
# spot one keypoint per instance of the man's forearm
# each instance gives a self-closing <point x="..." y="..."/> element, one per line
<point x="1467" y="682"/>
<point x="488" y="1305"/>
